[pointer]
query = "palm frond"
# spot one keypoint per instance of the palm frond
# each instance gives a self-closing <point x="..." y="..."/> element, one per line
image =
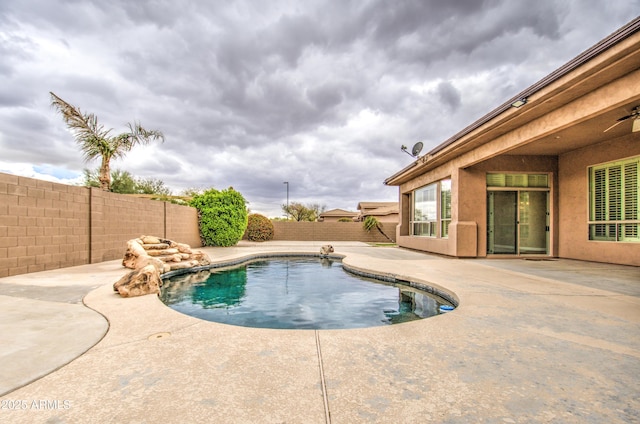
<point x="84" y="126"/>
<point x="144" y="136"/>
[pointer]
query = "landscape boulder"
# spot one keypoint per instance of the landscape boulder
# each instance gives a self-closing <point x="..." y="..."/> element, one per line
<point x="145" y="280"/>
<point x="150" y="257"/>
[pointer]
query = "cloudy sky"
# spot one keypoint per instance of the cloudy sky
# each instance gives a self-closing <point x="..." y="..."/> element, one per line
<point x="252" y="93"/>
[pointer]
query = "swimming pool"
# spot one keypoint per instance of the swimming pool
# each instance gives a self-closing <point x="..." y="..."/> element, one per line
<point x="296" y="293"/>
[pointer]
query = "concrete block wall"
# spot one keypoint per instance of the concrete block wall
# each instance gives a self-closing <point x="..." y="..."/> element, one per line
<point x="182" y="224"/>
<point x="115" y="219"/>
<point x="332" y="231"/>
<point x="45" y="225"/>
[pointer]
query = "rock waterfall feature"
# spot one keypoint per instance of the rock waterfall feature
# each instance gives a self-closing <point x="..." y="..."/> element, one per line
<point x="150" y="257"/>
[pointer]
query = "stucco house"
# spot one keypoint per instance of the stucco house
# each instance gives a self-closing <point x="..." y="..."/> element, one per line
<point x="382" y="211"/>
<point x="335" y="215"/>
<point x="553" y="172"/>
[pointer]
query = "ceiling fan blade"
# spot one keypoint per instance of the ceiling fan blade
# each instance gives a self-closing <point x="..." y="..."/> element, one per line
<point x="618" y="122"/>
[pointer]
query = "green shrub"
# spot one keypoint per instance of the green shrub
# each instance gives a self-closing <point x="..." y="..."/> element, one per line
<point x="222" y="215"/>
<point x="345" y="220"/>
<point x="370" y="222"/>
<point x="259" y="228"/>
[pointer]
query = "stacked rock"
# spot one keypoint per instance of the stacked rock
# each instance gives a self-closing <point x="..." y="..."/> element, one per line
<point x="150" y="257"/>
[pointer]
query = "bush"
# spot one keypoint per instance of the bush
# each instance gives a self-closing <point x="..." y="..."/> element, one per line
<point x="345" y="220"/>
<point x="259" y="228"/>
<point x="370" y="222"/>
<point x="222" y="215"/>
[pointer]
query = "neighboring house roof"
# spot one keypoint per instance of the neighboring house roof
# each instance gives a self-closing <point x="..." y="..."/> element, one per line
<point x="338" y="212"/>
<point x="388" y="210"/>
<point x="364" y="206"/>
<point x="610" y="59"/>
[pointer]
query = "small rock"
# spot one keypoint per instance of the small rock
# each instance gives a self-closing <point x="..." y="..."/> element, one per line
<point x="150" y="240"/>
<point x="183" y="248"/>
<point x="156" y="246"/>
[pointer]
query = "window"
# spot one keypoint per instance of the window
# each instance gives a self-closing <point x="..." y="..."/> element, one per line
<point x="432" y="210"/>
<point x="613" y="201"/>
<point x="518" y="180"/>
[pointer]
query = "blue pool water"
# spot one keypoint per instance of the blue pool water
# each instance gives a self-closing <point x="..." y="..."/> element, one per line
<point x="309" y="293"/>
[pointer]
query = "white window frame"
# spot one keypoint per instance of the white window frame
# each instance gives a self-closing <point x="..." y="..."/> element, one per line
<point x="432" y="221"/>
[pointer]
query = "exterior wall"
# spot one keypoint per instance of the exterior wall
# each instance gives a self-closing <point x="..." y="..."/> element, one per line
<point x="443" y="246"/>
<point x="574" y="241"/>
<point x="45" y="225"/>
<point x="331" y="231"/>
<point x="468" y="228"/>
<point x="116" y="218"/>
<point x="474" y="207"/>
<point x="182" y="224"/>
<point x="569" y="204"/>
<point x="393" y="217"/>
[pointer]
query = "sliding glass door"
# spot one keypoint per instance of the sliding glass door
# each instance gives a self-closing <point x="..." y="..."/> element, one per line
<point x="517" y="222"/>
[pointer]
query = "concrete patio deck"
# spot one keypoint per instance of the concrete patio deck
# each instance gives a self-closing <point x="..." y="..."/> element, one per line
<point x="531" y="341"/>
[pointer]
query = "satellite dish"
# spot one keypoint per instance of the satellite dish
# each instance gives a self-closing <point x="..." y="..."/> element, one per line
<point x="415" y="150"/>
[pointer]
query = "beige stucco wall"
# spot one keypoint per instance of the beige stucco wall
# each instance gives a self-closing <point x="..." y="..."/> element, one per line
<point x="569" y="204"/>
<point x="468" y="228"/>
<point x="574" y="203"/>
<point x="474" y="206"/>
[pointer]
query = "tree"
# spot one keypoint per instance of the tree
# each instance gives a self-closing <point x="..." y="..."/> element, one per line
<point x="124" y="183"/>
<point x="121" y="181"/>
<point x="223" y="216"/>
<point x="299" y="212"/>
<point x="95" y="141"/>
<point x="91" y="177"/>
<point x="371" y="222"/>
<point x="152" y="186"/>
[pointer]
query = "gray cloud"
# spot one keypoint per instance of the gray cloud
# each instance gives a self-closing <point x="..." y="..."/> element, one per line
<point x="251" y="94"/>
<point x="449" y="95"/>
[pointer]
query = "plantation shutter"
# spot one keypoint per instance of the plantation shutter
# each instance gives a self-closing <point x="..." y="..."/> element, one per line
<point x="631" y="199"/>
<point x="615" y="197"/>
<point x="600" y="200"/>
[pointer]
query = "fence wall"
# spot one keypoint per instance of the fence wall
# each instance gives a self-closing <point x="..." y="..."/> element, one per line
<point x="332" y="231"/>
<point x="45" y="225"/>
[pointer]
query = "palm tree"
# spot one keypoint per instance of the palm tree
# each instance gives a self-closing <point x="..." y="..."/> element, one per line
<point x="95" y="141"/>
